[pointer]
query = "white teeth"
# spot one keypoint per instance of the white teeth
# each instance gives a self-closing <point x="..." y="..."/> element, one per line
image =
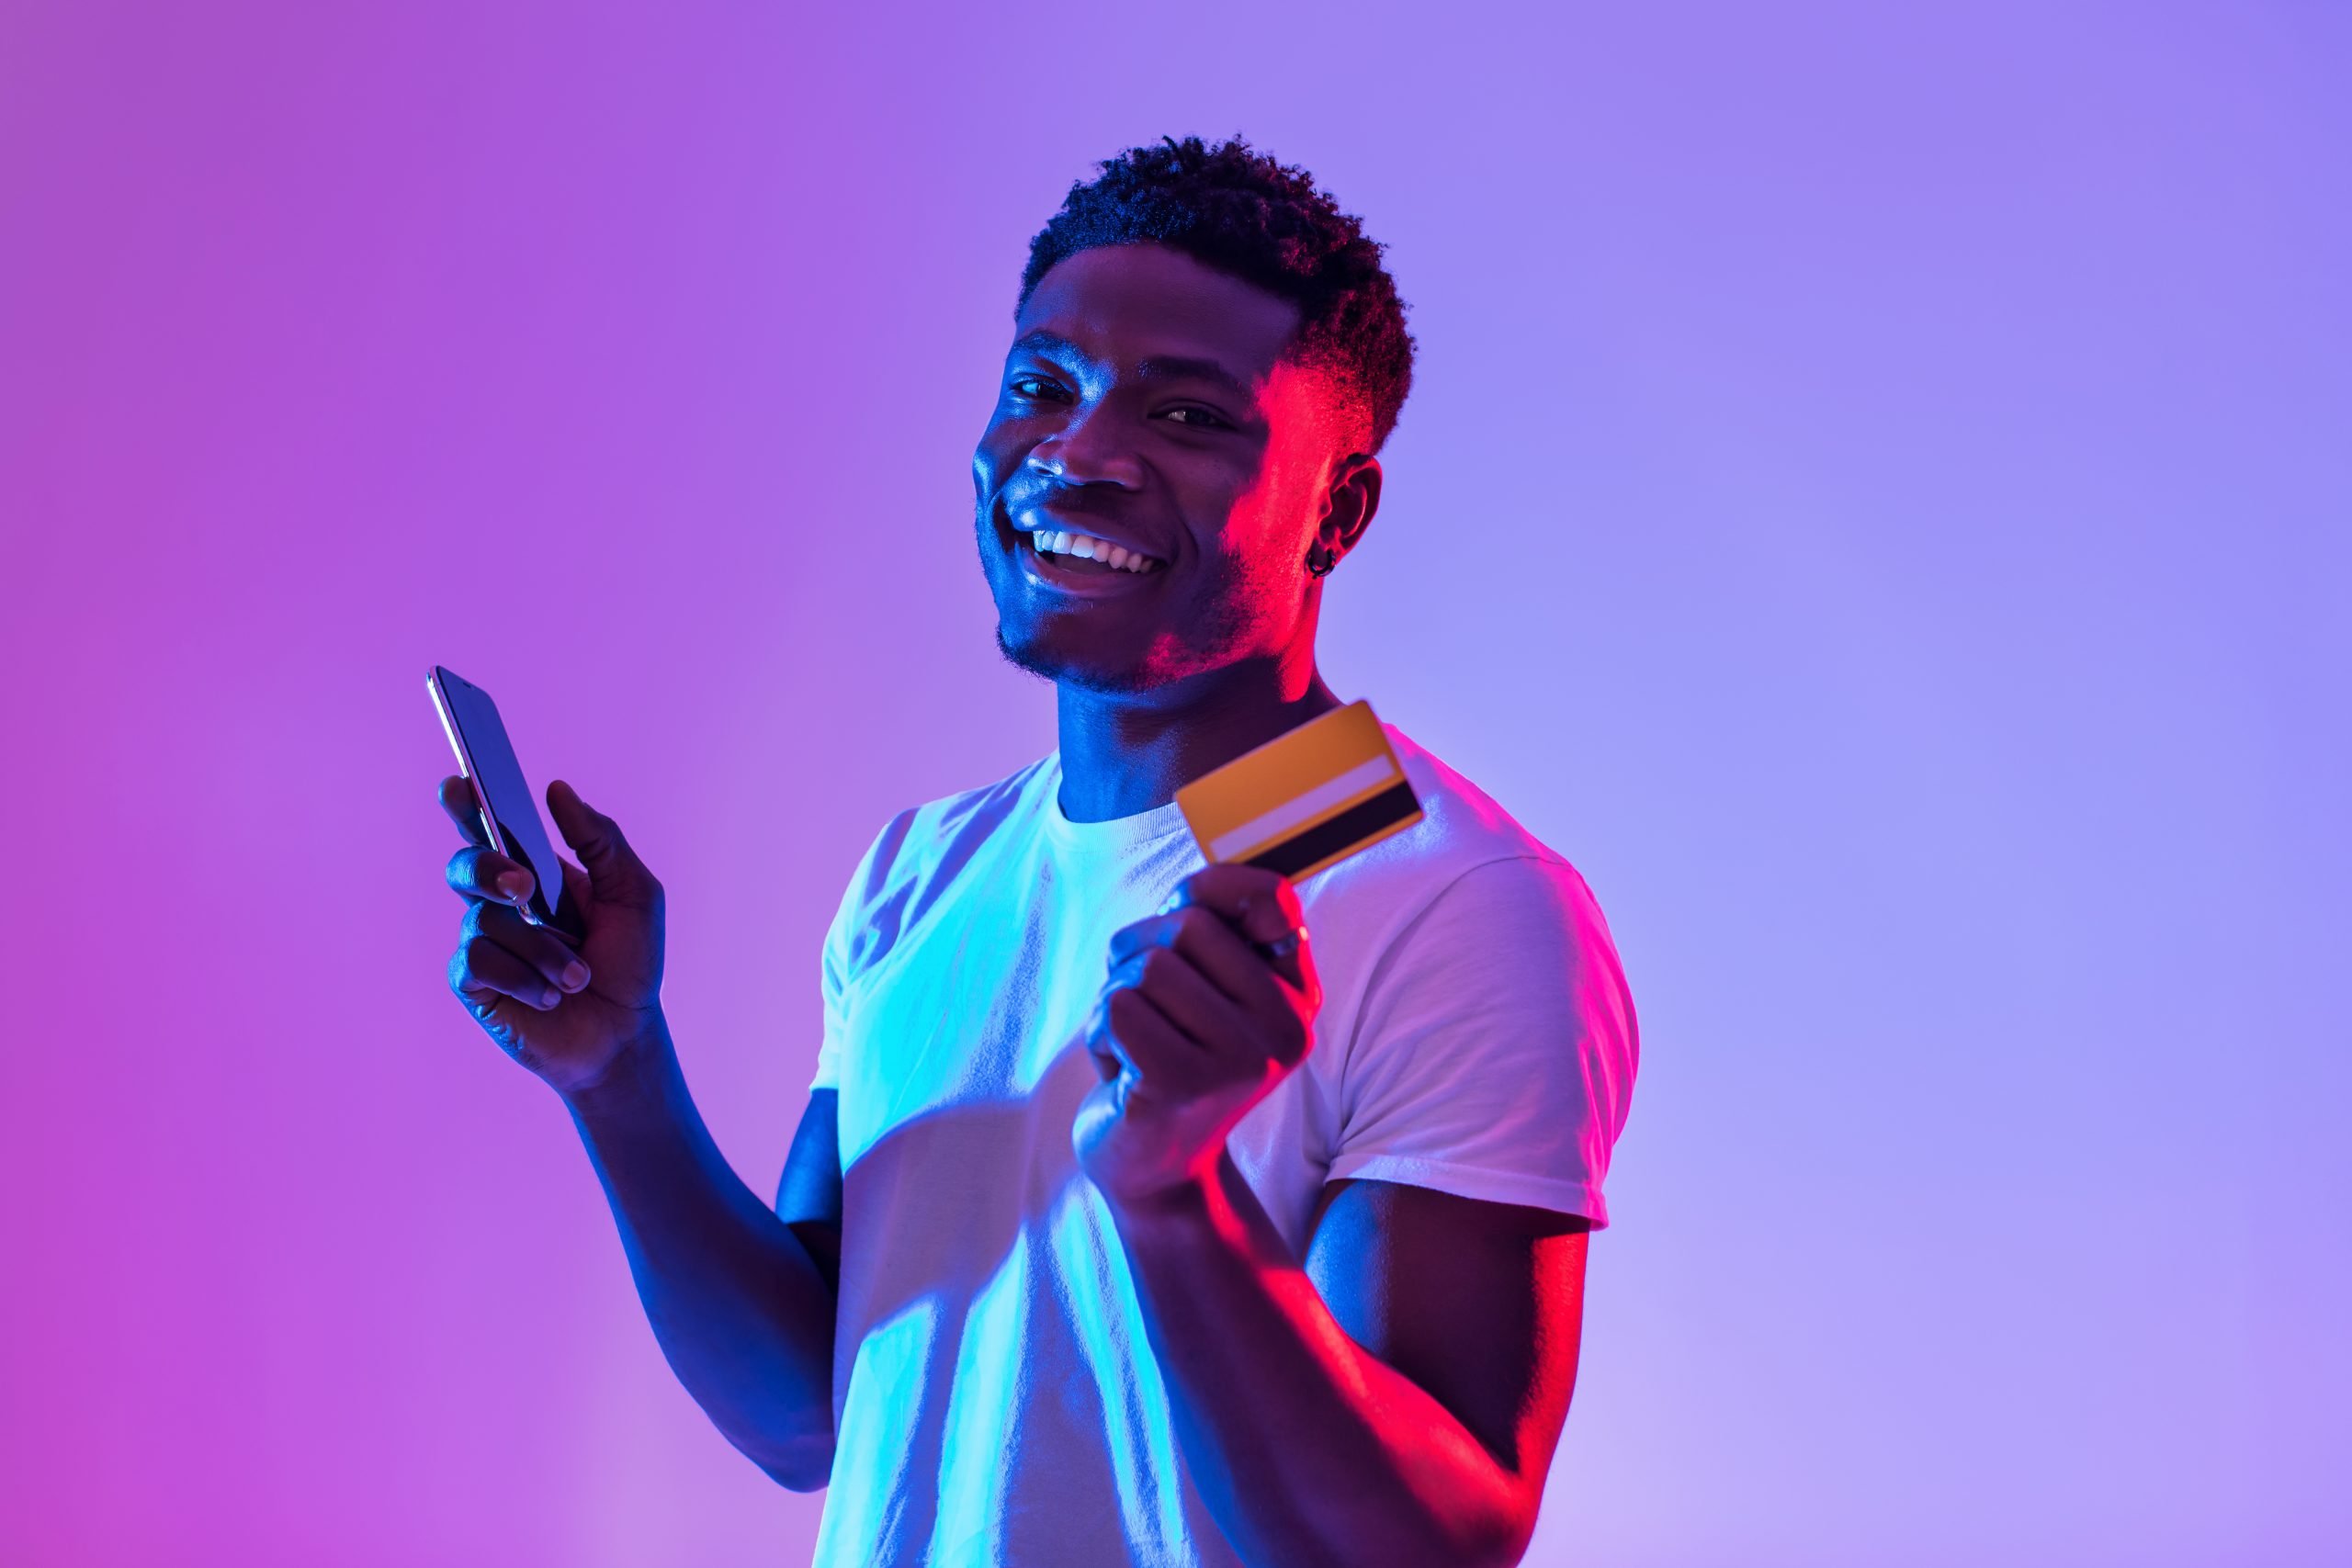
<point x="1061" y="542"/>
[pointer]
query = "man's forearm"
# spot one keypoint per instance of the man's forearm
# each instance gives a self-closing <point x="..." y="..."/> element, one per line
<point x="1306" y="1448"/>
<point x="740" y="1310"/>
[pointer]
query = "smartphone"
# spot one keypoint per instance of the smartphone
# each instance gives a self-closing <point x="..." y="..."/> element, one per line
<point x="510" y="812"/>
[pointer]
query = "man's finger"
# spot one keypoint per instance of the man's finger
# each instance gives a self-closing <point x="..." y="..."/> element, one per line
<point x="483" y="970"/>
<point x="1263" y="903"/>
<point x="1245" y="973"/>
<point x="476" y="872"/>
<point x="457" y="800"/>
<point x="1153" y="1051"/>
<point x="1264" y="907"/>
<point x="535" y="945"/>
<point x="1240" y="968"/>
<point x="1206" y="1016"/>
<point x="614" y="874"/>
<point x="1103" y="1044"/>
<point x="576" y="880"/>
<point x="1135" y="935"/>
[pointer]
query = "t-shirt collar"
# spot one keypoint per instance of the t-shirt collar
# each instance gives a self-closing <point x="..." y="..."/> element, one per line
<point x="1116" y="837"/>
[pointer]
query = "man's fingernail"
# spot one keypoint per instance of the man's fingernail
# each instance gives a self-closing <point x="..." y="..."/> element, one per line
<point x="551" y="999"/>
<point x="574" y="976"/>
<point x="514" y="886"/>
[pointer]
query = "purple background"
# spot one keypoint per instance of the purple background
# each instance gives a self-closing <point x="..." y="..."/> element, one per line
<point x="1876" y="498"/>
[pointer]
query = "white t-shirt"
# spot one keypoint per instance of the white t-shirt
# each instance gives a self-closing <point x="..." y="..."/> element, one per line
<point x="995" y="1399"/>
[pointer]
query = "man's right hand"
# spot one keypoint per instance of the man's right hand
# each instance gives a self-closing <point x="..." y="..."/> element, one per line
<point x="567" y="1016"/>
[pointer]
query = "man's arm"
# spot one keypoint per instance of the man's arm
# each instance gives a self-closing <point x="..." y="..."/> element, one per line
<point x="741" y="1302"/>
<point x="808" y="1195"/>
<point x="1394" y="1399"/>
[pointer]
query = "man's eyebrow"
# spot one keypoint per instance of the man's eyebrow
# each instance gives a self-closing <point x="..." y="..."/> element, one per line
<point x="1160" y="368"/>
<point x="1169" y="368"/>
<point x="1041" y="342"/>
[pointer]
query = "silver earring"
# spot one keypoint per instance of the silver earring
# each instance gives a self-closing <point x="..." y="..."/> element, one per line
<point x="1322" y="567"/>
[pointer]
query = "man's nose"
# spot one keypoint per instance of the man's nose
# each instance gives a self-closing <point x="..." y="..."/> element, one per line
<point x="1090" y="450"/>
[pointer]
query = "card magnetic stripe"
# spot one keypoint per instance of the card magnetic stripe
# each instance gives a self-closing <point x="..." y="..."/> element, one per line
<point x="1367" y="819"/>
<point x="1360" y="782"/>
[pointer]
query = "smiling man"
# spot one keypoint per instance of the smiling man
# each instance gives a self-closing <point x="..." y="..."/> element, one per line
<point x="1141" y="1211"/>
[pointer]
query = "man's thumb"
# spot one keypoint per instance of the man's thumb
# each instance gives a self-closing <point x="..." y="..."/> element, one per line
<point x="612" y="866"/>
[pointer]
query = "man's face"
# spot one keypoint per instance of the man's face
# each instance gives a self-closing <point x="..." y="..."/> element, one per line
<point x="1145" y="404"/>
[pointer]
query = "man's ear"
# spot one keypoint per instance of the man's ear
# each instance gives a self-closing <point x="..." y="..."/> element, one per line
<point x="1348" y="508"/>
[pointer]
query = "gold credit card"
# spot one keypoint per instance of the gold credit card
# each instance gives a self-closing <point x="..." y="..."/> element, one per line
<point x="1304" y="799"/>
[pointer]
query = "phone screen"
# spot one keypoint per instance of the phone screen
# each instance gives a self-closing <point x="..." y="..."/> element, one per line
<point x="487" y="757"/>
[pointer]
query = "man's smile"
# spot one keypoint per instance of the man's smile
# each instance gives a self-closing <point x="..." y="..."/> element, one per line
<point x="1050" y="559"/>
<point x="1078" y="552"/>
<point x="1066" y="556"/>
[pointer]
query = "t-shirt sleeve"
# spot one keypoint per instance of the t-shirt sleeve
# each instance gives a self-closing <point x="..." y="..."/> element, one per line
<point x="1494" y="1054"/>
<point x="843" y="950"/>
<point x="832" y="980"/>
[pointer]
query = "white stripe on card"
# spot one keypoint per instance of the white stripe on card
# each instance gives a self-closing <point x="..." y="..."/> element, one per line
<point x="1298" y="808"/>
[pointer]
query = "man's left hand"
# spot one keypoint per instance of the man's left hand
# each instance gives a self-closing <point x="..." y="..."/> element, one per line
<point x="1210" y="1003"/>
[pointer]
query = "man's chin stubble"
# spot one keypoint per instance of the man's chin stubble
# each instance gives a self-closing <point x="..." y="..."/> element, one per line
<point x="1122" y="683"/>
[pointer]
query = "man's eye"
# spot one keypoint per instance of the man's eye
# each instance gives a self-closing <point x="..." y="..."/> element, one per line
<point x="1036" y="387"/>
<point x="1197" y="419"/>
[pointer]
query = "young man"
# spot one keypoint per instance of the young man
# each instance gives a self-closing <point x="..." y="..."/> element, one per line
<point x="1129" y="1222"/>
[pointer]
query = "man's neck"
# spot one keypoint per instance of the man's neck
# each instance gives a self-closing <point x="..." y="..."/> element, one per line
<point x="1123" y="753"/>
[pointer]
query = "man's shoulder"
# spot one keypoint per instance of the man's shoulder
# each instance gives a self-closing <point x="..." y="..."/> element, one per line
<point x="919" y="835"/>
<point x="1462" y="827"/>
<point x="1467" y="908"/>
<point x="1467" y="856"/>
<point x="916" y="857"/>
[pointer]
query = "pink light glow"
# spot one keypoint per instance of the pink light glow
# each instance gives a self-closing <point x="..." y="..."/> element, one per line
<point x="1874" y="497"/>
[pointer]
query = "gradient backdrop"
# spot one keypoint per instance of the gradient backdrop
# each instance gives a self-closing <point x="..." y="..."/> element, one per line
<point x="1876" y="498"/>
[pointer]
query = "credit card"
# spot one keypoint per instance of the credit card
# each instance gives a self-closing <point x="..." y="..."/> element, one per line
<point x="1305" y="799"/>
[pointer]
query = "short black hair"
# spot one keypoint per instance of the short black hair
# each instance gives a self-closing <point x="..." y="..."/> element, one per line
<point x="1235" y="208"/>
